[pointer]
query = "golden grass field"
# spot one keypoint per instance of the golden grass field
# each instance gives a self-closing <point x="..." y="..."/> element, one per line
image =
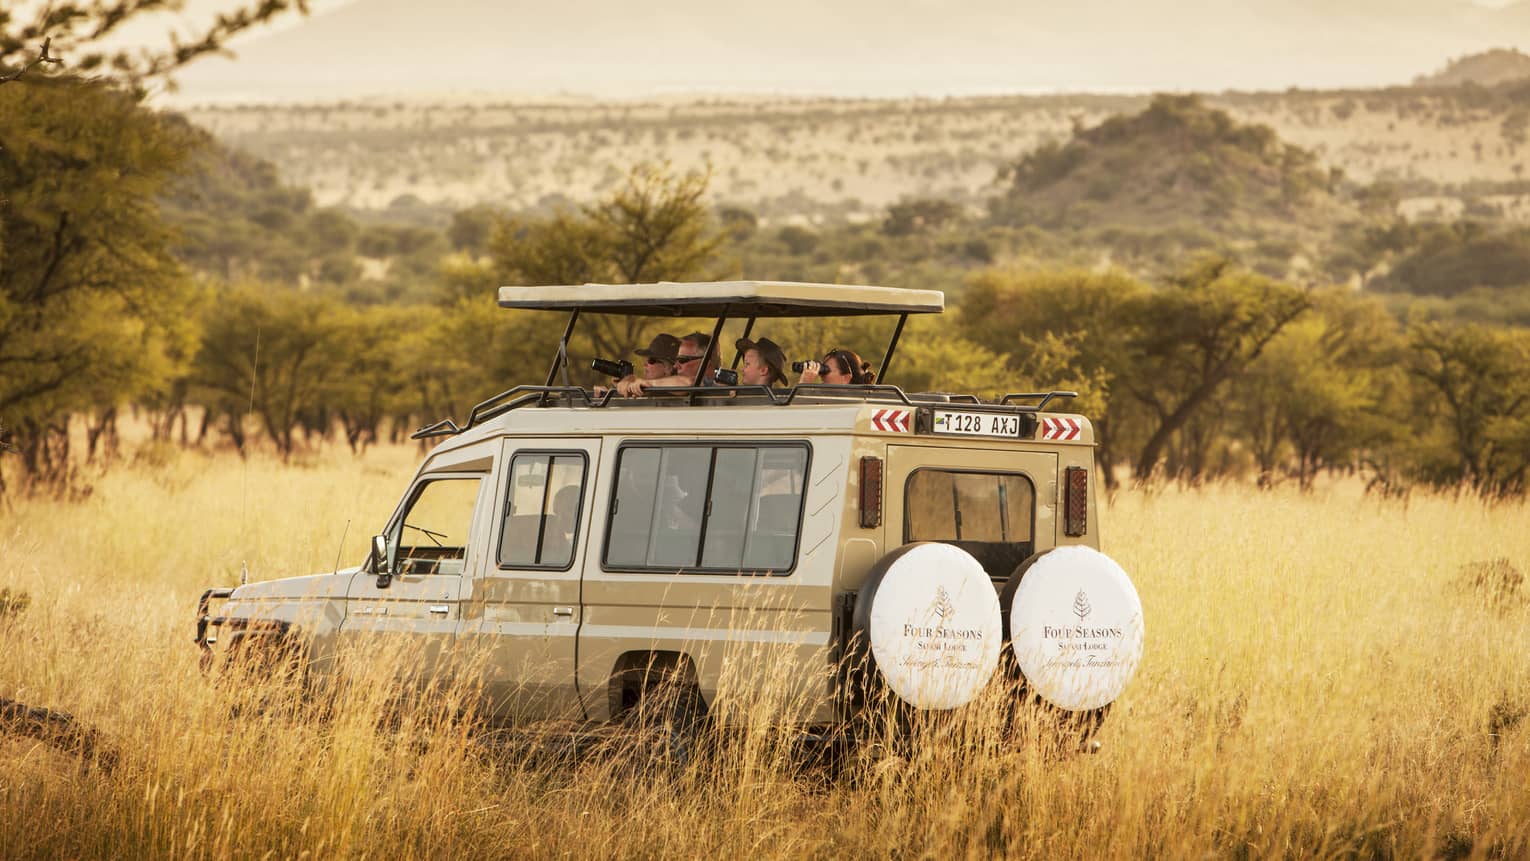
<point x="1317" y="683"/>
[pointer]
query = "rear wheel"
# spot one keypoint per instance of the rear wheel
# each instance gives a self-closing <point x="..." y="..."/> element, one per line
<point x="926" y="632"/>
<point x="661" y="699"/>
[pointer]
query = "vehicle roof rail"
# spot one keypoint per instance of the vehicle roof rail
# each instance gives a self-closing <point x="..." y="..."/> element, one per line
<point x="1046" y="397"/>
<point x="522" y="396"/>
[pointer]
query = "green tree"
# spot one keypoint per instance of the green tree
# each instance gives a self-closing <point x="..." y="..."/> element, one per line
<point x="1194" y="336"/>
<point x="1063" y="331"/>
<point x="1475" y="392"/>
<point x="1326" y="391"/>
<point x="369" y="385"/>
<point x="933" y="357"/>
<point x="460" y="355"/>
<point x="471" y="229"/>
<point x="91" y="301"/>
<point x="273" y="352"/>
<point x="655" y="227"/>
<point x="922" y="215"/>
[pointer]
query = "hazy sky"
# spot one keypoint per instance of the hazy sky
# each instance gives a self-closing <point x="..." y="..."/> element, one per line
<point x="399" y="48"/>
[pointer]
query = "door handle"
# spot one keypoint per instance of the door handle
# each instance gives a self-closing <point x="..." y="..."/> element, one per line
<point x="563" y="611"/>
<point x="439" y="609"/>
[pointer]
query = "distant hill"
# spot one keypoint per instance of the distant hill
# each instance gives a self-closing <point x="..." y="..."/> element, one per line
<point x="1487" y="69"/>
<point x="1178" y="163"/>
<point x="843" y="158"/>
<point x="849" y="48"/>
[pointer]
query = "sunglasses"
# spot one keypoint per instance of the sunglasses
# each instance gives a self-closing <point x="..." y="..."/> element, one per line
<point x="688" y="358"/>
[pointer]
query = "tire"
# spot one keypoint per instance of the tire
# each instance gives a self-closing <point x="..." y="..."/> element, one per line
<point x="1074" y="629"/>
<point x="927" y="632"/>
<point x="669" y="710"/>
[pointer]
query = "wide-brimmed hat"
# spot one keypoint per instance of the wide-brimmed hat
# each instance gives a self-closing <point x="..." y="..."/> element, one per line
<point x="663" y="346"/>
<point x="770" y="352"/>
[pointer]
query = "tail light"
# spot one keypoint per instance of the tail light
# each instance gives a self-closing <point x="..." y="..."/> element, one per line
<point x="871" y="492"/>
<point x="1076" y="500"/>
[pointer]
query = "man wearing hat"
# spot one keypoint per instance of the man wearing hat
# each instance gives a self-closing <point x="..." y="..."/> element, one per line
<point x="764" y="363"/>
<point x="693" y="348"/>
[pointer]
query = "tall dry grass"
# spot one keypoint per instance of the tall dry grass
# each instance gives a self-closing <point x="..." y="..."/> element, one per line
<point x="1321" y="679"/>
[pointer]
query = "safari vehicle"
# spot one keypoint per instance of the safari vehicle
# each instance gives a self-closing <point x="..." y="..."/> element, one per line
<point x="581" y="551"/>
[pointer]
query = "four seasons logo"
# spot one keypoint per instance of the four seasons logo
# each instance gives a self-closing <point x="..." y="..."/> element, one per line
<point x="1081" y="606"/>
<point x="942" y="603"/>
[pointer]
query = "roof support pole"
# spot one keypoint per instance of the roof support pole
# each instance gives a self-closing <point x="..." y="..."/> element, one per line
<point x="712" y="347"/>
<point x="891" y="348"/>
<point x="711" y="350"/>
<point x="737" y="356"/>
<point x="560" y="358"/>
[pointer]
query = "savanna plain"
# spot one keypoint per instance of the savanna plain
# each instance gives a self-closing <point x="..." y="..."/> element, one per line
<point x="1327" y="674"/>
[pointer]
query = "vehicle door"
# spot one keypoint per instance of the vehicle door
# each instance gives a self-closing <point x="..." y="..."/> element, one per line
<point x="998" y="504"/>
<point x="522" y="616"/>
<point x="410" y="616"/>
<point x="702" y="554"/>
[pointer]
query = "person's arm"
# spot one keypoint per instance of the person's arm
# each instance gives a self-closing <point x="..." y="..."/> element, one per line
<point x="636" y="387"/>
<point x="810" y="373"/>
<point x="600" y="390"/>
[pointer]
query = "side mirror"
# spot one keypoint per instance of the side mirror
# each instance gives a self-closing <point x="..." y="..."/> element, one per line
<point x="378" y="564"/>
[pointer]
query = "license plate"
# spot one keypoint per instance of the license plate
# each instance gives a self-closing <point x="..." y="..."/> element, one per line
<point x="976" y="424"/>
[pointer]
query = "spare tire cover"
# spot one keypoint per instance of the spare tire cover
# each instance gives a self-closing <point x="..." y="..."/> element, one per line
<point x="1075" y="623"/>
<point x="931" y="616"/>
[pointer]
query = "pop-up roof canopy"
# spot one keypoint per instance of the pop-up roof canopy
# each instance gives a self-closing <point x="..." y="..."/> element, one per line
<point x="725" y="298"/>
<point x="750" y="300"/>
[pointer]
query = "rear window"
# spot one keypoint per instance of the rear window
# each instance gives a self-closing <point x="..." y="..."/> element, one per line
<point x="969" y="506"/>
<point x="990" y="515"/>
<point x="707" y="508"/>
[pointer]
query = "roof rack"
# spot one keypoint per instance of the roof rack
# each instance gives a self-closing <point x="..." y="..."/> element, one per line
<point x="1046" y="397"/>
<point x="522" y="396"/>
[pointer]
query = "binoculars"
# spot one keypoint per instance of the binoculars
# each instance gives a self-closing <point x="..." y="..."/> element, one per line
<point x="613" y="369"/>
<point x="799" y="367"/>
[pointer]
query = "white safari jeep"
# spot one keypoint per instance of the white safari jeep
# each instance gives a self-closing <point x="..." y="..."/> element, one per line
<point x="574" y="550"/>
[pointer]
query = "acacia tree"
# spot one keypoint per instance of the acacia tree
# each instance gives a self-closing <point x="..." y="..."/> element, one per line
<point x="1193" y="336"/>
<point x="1326" y="390"/>
<point x="273" y="352"/>
<point x="1064" y="330"/>
<point x="655" y="227"/>
<point x="92" y="304"/>
<point x="1476" y="393"/>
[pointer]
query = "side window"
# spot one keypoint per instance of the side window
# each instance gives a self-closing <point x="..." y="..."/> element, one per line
<point x="719" y="508"/>
<point x="541" y="514"/>
<point x="433" y="536"/>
